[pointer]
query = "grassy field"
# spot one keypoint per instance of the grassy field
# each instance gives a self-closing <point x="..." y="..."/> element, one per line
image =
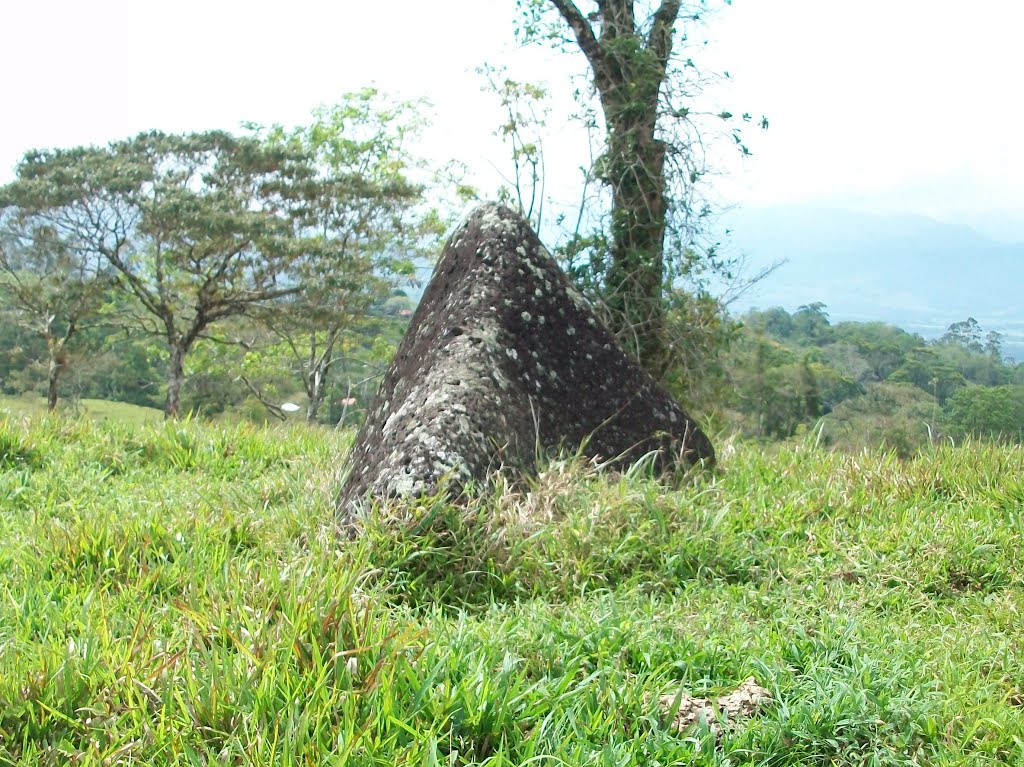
<point x="177" y="595"/>
<point x="99" y="409"/>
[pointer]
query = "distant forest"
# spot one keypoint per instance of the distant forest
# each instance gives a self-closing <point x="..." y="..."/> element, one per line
<point x="865" y="384"/>
<point x="781" y="375"/>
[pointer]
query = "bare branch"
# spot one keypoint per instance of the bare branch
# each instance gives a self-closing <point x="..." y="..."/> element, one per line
<point x="659" y="39"/>
<point x="274" y="409"/>
<point x="585" y="37"/>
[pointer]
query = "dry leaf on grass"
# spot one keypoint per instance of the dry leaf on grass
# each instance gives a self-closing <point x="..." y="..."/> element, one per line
<point x="746" y="700"/>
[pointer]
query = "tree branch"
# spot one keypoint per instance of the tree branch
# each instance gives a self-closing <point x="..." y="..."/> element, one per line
<point x="273" y="409"/>
<point x="659" y="40"/>
<point x="585" y="37"/>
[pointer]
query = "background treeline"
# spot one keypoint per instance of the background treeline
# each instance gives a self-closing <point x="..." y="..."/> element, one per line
<point x="247" y="276"/>
<point x="863" y="384"/>
<point x="117" y="365"/>
<point x="868" y="383"/>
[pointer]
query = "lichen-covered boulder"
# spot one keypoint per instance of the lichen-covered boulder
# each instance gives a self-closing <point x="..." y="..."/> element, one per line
<point x="503" y="359"/>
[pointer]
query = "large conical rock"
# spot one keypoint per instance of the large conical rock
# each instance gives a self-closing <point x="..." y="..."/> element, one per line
<point x="502" y="360"/>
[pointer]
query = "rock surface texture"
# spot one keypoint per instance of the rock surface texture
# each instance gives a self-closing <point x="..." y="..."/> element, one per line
<point x="503" y="359"/>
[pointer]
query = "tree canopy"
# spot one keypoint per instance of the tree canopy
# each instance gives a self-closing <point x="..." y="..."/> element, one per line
<point x="196" y="227"/>
<point x="363" y="230"/>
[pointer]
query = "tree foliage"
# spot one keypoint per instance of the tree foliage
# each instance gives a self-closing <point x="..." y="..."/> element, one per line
<point x="273" y="258"/>
<point x="524" y="118"/>
<point x="991" y="412"/>
<point x="878" y="384"/>
<point x="363" y="230"/>
<point x="49" y="288"/>
<point x="197" y="227"/>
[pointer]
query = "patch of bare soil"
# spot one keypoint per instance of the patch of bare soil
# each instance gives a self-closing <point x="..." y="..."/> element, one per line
<point x="745" y="701"/>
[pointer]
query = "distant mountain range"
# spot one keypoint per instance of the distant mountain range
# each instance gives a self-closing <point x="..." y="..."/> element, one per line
<point x="910" y="271"/>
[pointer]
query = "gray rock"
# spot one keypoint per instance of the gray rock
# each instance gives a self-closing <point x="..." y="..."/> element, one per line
<point x="502" y="361"/>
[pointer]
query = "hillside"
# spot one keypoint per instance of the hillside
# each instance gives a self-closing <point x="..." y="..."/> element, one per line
<point x="121" y="412"/>
<point x="910" y="271"/>
<point x="176" y="594"/>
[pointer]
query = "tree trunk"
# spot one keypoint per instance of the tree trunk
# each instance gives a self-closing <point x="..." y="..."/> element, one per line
<point x="313" y="411"/>
<point x="315" y="401"/>
<point x="319" y="369"/>
<point x="58" y="362"/>
<point x="316" y="386"/>
<point x="176" y="376"/>
<point x="52" y="381"/>
<point x="629" y="69"/>
<point x="635" y="171"/>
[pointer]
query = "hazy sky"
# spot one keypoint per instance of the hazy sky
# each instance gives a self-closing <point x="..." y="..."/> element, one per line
<point x="888" y="105"/>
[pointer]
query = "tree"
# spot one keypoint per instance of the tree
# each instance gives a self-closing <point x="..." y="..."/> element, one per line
<point x="524" y="118"/>
<point x="197" y="227"/>
<point x="775" y="322"/>
<point x="769" y="388"/>
<point x="929" y="372"/>
<point x="652" y="156"/>
<point x="980" y="363"/>
<point x="965" y="333"/>
<point x="808" y="389"/>
<point x="810" y="323"/>
<point x="894" y="416"/>
<point x="363" y="228"/>
<point x="50" y="288"/>
<point x="994" y="345"/>
<point x="882" y="346"/>
<point x="994" y="413"/>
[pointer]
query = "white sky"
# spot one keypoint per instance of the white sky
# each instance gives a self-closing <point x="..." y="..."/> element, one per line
<point x="886" y="105"/>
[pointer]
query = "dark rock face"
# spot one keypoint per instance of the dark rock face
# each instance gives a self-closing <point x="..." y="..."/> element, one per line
<point x="502" y="360"/>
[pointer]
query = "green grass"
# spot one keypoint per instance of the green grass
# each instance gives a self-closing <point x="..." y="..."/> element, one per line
<point x="176" y="594"/>
<point x="35" y="406"/>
